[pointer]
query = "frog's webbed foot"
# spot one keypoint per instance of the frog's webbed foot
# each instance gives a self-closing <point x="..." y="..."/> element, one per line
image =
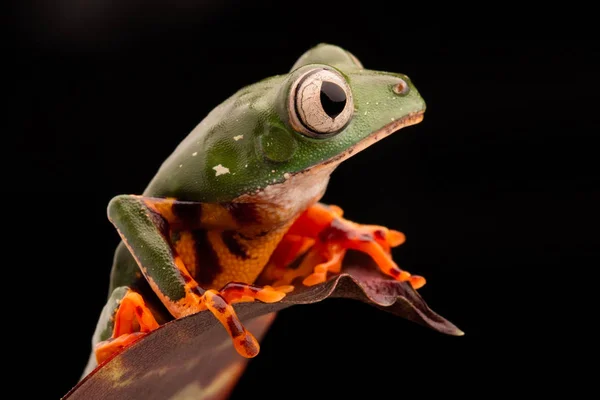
<point x="132" y="320"/>
<point x="333" y="235"/>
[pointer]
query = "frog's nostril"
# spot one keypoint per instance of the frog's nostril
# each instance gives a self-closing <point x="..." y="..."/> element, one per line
<point x="400" y="88"/>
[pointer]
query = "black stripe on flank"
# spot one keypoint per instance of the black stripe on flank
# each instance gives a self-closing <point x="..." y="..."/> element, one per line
<point x="187" y="212"/>
<point x="207" y="261"/>
<point x="243" y="213"/>
<point x="234" y="246"/>
<point x="258" y="235"/>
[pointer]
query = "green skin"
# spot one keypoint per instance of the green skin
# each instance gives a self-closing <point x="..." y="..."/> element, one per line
<point x="259" y="113"/>
<point x="258" y="116"/>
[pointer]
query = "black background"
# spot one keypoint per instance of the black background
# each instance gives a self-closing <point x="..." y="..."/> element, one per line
<point x="497" y="189"/>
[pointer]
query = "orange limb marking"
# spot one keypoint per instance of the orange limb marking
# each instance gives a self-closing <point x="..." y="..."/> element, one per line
<point x="334" y="235"/>
<point x="288" y="250"/>
<point x="111" y="346"/>
<point x="243" y="341"/>
<point x="219" y="304"/>
<point x="132" y="321"/>
<point x="235" y="292"/>
<point x="301" y="237"/>
<point x="333" y="264"/>
<point x="304" y="269"/>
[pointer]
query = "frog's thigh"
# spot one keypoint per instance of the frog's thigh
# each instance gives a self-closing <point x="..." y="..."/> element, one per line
<point x="124" y="319"/>
<point x="144" y="225"/>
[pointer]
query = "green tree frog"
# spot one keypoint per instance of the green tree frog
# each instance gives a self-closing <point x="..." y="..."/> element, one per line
<point x="240" y="197"/>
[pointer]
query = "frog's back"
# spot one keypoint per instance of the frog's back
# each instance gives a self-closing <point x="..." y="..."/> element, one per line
<point x="219" y="154"/>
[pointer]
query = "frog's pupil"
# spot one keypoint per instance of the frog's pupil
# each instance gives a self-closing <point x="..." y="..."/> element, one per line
<point x="333" y="98"/>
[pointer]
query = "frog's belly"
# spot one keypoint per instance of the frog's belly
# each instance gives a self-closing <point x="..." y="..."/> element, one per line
<point x="215" y="257"/>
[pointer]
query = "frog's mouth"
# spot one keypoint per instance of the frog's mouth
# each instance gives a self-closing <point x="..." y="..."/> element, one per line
<point x="408" y="120"/>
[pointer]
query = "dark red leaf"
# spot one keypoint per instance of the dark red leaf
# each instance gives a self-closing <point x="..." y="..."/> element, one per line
<point x="192" y="357"/>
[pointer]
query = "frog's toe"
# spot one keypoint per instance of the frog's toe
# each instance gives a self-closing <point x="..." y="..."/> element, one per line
<point x="395" y="238"/>
<point x="315" y="278"/>
<point x="270" y="294"/>
<point x="237" y="292"/>
<point x="374" y="241"/>
<point x="284" y="288"/>
<point x="244" y="342"/>
<point x="132" y="320"/>
<point x="107" y="348"/>
<point x="417" y="281"/>
<point x="333" y="256"/>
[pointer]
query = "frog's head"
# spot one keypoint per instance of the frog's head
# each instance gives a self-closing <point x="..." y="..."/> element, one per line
<point x="304" y="123"/>
<point x="334" y="107"/>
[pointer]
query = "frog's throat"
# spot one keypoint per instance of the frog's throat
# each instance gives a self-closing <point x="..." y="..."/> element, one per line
<point x="284" y="201"/>
<point x="410" y="119"/>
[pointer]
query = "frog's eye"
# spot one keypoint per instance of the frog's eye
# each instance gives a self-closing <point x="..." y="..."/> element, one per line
<point x="320" y="103"/>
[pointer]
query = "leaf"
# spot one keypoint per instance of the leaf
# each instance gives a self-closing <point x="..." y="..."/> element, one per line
<point x="192" y="357"/>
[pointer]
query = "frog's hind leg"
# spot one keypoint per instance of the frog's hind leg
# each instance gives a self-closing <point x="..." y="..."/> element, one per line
<point x="129" y="318"/>
<point x="333" y="236"/>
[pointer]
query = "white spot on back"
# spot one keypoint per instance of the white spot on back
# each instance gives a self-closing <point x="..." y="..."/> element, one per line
<point x="194" y="154"/>
<point x="238" y="137"/>
<point x="220" y="170"/>
<point x="286" y="175"/>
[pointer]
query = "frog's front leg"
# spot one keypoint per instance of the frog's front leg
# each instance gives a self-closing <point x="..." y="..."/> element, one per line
<point x="332" y="236"/>
<point x="144" y="225"/>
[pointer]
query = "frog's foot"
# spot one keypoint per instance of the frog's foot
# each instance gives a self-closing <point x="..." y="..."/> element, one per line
<point x="132" y="321"/>
<point x="296" y="243"/>
<point x="289" y="249"/>
<point x="114" y="345"/>
<point x="314" y="266"/>
<point x="335" y="235"/>
<point x="333" y="255"/>
<point x="219" y="303"/>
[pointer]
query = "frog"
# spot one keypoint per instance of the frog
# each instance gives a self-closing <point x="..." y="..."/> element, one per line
<point x="238" y="202"/>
